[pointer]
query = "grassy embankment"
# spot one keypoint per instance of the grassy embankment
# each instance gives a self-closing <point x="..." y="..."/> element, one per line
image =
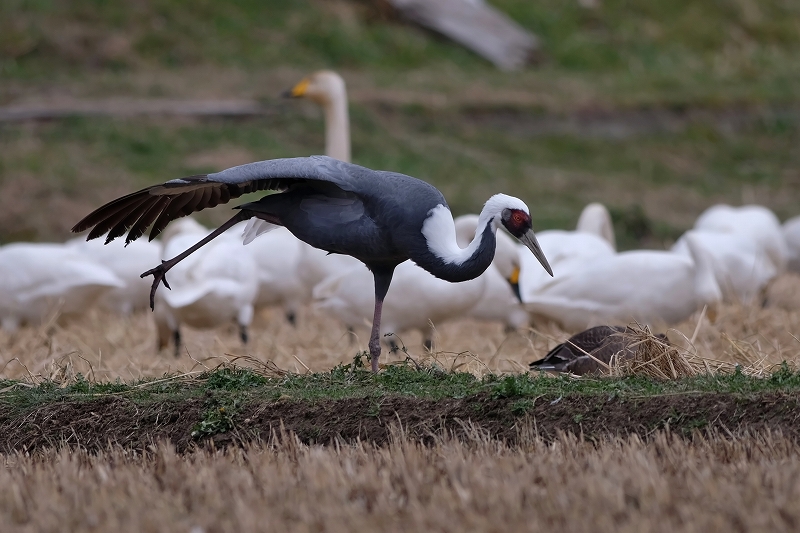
<point x="237" y="406"/>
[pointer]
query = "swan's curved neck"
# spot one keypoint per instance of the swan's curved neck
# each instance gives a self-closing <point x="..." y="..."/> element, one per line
<point x="707" y="287"/>
<point x="337" y="126"/>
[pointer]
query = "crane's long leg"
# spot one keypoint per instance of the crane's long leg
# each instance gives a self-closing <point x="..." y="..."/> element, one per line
<point x="159" y="273"/>
<point x="383" y="277"/>
<point x="375" y="336"/>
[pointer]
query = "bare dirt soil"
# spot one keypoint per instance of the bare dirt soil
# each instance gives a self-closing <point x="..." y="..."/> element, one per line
<point x="93" y="424"/>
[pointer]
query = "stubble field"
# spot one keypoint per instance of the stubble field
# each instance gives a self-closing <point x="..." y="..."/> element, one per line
<point x="605" y="454"/>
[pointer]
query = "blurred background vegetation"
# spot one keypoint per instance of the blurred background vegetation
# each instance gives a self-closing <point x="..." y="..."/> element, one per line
<point x="658" y="109"/>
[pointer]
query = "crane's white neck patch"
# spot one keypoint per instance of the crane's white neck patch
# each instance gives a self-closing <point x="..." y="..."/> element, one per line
<point x="440" y="232"/>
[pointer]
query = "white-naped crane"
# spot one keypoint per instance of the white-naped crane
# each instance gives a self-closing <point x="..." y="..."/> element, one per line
<point x="381" y="218"/>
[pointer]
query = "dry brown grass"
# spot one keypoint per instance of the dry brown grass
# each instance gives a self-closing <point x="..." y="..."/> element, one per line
<point x="107" y="347"/>
<point x="104" y="347"/>
<point x="749" y="483"/>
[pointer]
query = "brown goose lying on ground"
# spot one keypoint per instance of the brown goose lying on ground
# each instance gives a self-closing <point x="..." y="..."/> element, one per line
<point x="602" y="342"/>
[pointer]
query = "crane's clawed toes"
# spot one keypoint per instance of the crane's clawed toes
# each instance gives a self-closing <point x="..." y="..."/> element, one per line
<point x="159" y="274"/>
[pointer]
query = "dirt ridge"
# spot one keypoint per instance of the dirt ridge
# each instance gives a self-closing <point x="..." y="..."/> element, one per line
<point x="94" y="423"/>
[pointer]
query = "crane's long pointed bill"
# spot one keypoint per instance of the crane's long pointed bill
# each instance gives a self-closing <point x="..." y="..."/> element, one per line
<point x="529" y="240"/>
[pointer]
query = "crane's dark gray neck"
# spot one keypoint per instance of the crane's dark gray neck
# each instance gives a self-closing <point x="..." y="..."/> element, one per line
<point x="444" y="258"/>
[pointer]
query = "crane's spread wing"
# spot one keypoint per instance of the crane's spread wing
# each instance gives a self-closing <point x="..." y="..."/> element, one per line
<point x="160" y="204"/>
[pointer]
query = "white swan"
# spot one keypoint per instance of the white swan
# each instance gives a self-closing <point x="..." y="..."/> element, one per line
<point x="416" y="298"/>
<point x="38" y="279"/>
<point x="791" y="233"/>
<point x="740" y="264"/>
<point x="652" y="287"/>
<point x="288" y="268"/>
<point x="596" y="220"/>
<point x="128" y="263"/>
<point x="208" y="288"/>
<point x="327" y="89"/>
<point x="753" y="221"/>
<point x="277" y="255"/>
<point x="565" y="250"/>
<point x="592" y="238"/>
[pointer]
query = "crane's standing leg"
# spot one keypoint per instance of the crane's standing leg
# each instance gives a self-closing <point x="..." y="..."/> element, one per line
<point x="383" y="277"/>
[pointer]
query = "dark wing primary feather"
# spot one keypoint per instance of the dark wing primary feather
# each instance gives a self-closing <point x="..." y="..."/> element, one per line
<point x="160" y="204"/>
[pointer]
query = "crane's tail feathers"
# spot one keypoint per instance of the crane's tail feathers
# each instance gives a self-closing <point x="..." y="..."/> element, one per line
<point x="254" y="228"/>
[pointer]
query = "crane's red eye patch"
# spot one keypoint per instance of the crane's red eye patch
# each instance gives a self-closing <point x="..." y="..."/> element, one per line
<point x="518" y="219"/>
<point x="517" y="222"/>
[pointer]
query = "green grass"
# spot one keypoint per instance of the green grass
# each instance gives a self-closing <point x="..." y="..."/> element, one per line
<point x="228" y="388"/>
<point x="226" y="392"/>
<point x="684" y="50"/>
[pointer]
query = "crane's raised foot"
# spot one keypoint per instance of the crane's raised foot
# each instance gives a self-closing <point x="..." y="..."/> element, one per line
<point x="159" y="274"/>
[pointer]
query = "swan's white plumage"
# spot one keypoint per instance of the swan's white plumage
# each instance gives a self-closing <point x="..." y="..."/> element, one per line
<point x="37" y="279"/>
<point x="415" y="298"/>
<point x="791" y="234"/>
<point x="565" y="250"/>
<point x="318" y="265"/>
<point x="753" y="221"/>
<point x="740" y="265"/>
<point x="327" y="89"/>
<point x="128" y="263"/>
<point x="746" y="245"/>
<point x="652" y="287"/>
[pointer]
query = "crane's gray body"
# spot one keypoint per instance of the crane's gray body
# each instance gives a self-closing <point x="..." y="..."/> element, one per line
<point x="374" y="216"/>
